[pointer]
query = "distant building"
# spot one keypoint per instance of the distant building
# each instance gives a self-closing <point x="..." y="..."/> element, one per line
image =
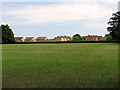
<point x="50" y="39"/>
<point x="62" y="38"/>
<point x="19" y="39"/>
<point x="104" y="38"/>
<point x="30" y="39"/>
<point x="93" y="37"/>
<point x="83" y="37"/>
<point x="41" y="39"/>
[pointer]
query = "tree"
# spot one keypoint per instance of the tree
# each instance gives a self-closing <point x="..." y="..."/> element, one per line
<point x="77" y="37"/>
<point x="114" y="28"/>
<point x="109" y="37"/>
<point x="7" y="34"/>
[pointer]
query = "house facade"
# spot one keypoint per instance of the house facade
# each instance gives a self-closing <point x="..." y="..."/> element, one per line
<point x="30" y="39"/>
<point x="41" y="39"/>
<point x="50" y="39"/>
<point x="93" y="37"/>
<point x="62" y="38"/>
<point x="104" y="38"/>
<point x="19" y="39"/>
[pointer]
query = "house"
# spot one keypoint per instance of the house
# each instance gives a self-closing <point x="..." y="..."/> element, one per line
<point x="19" y="39"/>
<point x="92" y="37"/>
<point x="62" y="38"/>
<point x="83" y="37"/>
<point x="41" y="39"/>
<point x="50" y="39"/>
<point x="104" y="38"/>
<point x="30" y="39"/>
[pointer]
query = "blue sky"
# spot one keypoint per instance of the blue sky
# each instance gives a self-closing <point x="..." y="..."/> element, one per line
<point x="58" y="18"/>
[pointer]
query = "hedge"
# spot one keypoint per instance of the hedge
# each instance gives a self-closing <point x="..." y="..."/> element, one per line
<point x="112" y="41"/>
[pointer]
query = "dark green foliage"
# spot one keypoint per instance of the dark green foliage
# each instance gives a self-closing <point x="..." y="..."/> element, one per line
<point x="77" y="37"/>
<point x="58" y="42"/>
<point x="84" y="38"/>
<point x="109" y="37"/>
<point x="21" y="41"/>
<point x="114" y="28"/>
<point x="7" y="34"/>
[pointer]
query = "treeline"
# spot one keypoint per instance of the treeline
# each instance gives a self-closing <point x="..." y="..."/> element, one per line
<point x="7" y="35"/>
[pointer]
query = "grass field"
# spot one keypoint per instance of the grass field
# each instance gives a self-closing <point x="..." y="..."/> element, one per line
<point x="79" y="65"/>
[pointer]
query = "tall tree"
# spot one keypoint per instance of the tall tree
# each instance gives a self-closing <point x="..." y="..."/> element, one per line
<point x="77" y="37"/>
<point x="114" y="28"/>
<point x="7" y="34"/>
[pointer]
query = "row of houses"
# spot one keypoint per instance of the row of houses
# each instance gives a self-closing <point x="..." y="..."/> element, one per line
<point x="38" y="39"/>
<point x="30" y="39"/>
<point x="58" y="38"/>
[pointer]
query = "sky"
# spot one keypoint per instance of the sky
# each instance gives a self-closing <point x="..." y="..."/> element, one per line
<point x="55" y="18"/>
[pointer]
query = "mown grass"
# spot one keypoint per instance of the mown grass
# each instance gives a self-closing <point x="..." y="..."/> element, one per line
<point x="72" y="65"/>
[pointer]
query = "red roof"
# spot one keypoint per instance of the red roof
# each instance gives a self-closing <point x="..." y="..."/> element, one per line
<point x="29" y="38"/>
<point x="18" y="38"/>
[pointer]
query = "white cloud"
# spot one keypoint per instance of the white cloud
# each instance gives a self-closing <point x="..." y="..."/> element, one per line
<point x="108" y="1"/>
<point x="40" y="14"/>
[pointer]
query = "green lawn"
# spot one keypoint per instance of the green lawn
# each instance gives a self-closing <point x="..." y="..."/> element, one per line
<point x="76" y="65"/>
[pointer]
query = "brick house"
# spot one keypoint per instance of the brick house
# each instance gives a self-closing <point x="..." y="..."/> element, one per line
<point x="104" y="38"/>
<point x="41" y="39"/>
<point x="62" y="38"/>
<point x="30" y="39"/>
<point x="19" y="39"/>
<point x="92" y="37"/>
<point x="89" y="37"/>
<point x="50" y="39"/>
